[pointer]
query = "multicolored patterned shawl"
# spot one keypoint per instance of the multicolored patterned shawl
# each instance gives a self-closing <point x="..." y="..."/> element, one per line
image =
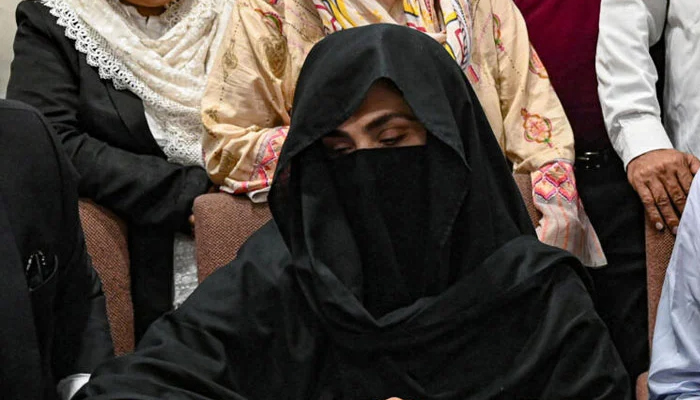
<point x="448" y="21"/>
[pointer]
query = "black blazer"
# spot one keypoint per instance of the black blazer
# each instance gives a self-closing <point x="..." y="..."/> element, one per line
<point x="104" y="130"/>
<point x="55" y="327"/>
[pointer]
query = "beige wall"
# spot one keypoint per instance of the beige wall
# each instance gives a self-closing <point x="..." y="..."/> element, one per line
<point x="7" y="34"/>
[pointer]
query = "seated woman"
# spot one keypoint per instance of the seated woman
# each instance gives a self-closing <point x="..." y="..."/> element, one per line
<point x="401" y="260"/>
<point x="121" y="82"/>
<point x="247" y="103"/>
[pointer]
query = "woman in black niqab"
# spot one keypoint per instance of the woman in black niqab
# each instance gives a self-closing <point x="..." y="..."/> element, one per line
<point x="410" y="272"/>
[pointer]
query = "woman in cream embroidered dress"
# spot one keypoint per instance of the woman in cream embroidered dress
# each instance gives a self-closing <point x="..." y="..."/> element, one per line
<point x="137" y="148"/>
<point x="246" y="119"/>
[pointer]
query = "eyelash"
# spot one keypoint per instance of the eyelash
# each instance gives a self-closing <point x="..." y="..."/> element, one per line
<point x="393" y="140"/>
<point x="339" y="151"/>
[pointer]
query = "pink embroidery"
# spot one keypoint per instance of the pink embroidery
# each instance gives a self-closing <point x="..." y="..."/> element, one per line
<point x="555" y="178"/>
<point x="537" y="128"/>
<point x="497" y="32"/>
<point x="416" y="27"/>
<point x="273" y="18"/>
<point x="429" y="7"/>
<point x="472" y="75"/>
<point x="265" y="165"/>
<point x="535" y="65"/>
<point x="334" y="22"/>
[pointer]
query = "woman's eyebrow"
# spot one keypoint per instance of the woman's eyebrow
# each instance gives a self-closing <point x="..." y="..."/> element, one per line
<point x="386" y="118"/>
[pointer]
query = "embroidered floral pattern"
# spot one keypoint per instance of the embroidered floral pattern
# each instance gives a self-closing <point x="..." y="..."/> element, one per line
<point x="555" y="178"/>
<point x="497" y="32"/>
<point x="537" y="128"/>
<point x="266" y="163"/>
<point x="535" y="65"/>
<point x="275" y="49"/>
<point x="273" y="18"/>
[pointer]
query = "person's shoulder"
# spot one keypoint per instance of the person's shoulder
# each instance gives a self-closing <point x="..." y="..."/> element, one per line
<point x="32" y="7"/>
<point x="22" y="123"/>
<point x="9" y="108"/>
<point x="36" y="13"/>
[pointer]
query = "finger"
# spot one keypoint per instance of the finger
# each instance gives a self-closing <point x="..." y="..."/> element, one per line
<point x="191" y="219"/>
<point x="693" y="163"/>
<point x="676" y="193"/>
<point x="663" y="203"/>
<point x="685" y="177"/>
<point x="650" y="207"/>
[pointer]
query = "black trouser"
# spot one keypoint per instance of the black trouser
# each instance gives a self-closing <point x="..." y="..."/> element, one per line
<point x="620" y="294"/>
<point x="151" y="257"/>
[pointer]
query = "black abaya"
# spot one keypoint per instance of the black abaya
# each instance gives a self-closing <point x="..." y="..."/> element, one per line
<point x="498" y="314"/>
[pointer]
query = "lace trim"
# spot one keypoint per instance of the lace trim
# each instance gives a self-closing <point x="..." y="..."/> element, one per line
<point x="181" y="124"/>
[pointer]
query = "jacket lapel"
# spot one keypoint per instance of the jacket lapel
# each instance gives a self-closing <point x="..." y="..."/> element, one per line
<point x="20" y="360"/>
<point x="131" y="111"/>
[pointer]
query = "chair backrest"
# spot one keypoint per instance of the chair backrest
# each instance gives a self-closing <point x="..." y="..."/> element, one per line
<point x="223" y="223"/>
<point x="106" y="239"/>
<point x="659" y="246"/>
<point x="524" y="182"/>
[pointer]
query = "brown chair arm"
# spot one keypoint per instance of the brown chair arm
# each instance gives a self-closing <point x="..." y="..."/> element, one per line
<point x="524" y="182"/>
<point x="106" y="239"/>
<point x="222" y="224"/>
<point x="659" y="246"/>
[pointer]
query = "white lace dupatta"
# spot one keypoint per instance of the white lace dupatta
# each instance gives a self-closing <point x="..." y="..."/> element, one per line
<point x="168" y="73"/>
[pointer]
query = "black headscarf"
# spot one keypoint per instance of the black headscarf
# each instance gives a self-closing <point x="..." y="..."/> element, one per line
<point x="475" y="206"/>
<point x="498" y="316"/>
<point x="480" y="242"/>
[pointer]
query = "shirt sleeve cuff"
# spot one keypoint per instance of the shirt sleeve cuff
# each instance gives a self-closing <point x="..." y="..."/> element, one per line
<point x="69" y="386"/>
<point x="638" y="135"/>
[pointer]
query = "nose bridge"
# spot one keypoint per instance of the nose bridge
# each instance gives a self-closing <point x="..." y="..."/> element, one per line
<point x="366" y="141"/>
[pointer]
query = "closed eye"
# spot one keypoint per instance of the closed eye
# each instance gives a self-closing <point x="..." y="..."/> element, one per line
<point x="337" y="145"/>
<point x="392" y="140"/>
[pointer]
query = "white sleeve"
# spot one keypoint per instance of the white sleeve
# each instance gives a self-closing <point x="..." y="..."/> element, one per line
<point x="627" y="75"/>
<point x="69" y="386"/>
<point x="675" y="355"/>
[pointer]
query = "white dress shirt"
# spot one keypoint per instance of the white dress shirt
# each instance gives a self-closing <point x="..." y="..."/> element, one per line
<point x="675" y="356"/>
<point x="627" y="76"/>
<point x="68" y="387"/>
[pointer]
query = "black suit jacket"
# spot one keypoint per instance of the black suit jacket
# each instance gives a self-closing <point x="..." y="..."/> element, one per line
<point x="104" y="130"/>
<point x="57" y="328"/>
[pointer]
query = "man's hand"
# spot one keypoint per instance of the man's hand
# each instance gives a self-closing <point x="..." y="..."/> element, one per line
<point x="662" y="179"/>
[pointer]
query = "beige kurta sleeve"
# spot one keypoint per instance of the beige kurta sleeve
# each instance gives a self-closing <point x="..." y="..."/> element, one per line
<point x="532" y="129"/>
<point x="246" y="105"/>
<point x="537" y="131"/>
